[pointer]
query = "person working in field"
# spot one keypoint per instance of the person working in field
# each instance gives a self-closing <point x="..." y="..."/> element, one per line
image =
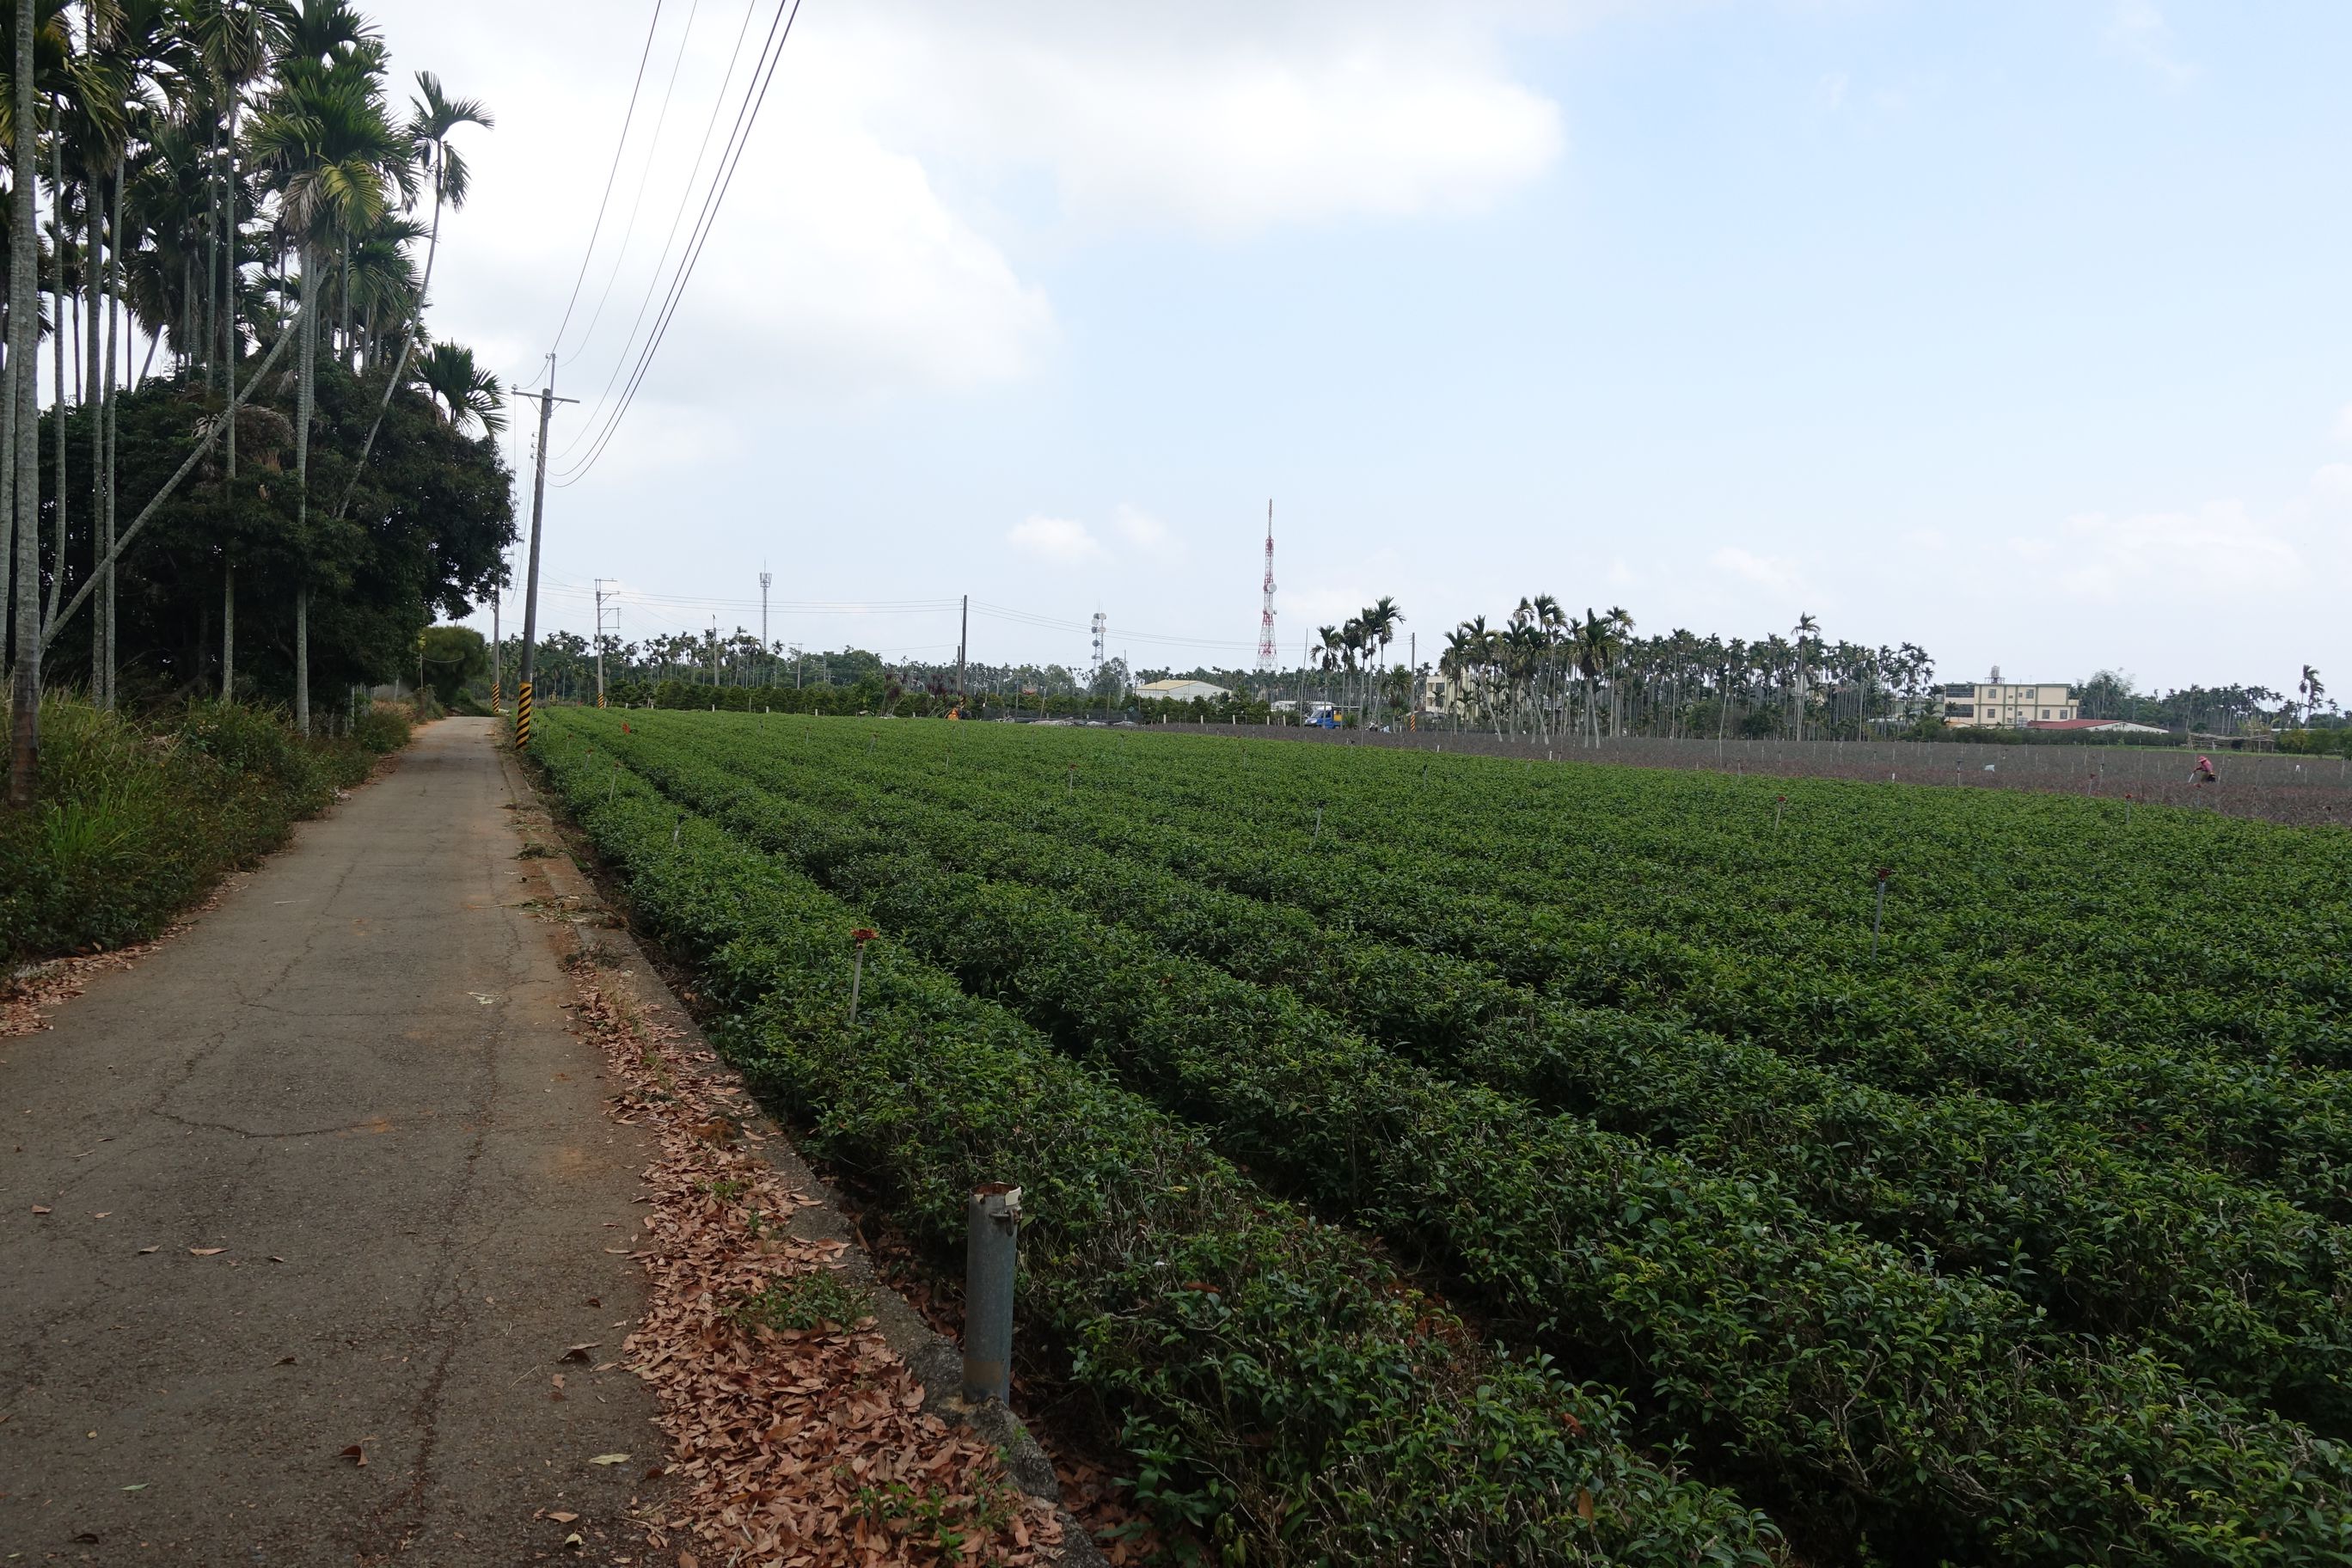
<point x="2203" y="773"/>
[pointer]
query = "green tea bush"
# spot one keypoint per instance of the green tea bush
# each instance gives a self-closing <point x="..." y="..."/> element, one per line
<point x="1289" y="1395"/>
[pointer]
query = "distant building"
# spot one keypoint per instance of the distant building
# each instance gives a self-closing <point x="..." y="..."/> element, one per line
<point x="2097" y="727"/>
<point x="1179" y="691"/>
<point x="2007" y="705"/>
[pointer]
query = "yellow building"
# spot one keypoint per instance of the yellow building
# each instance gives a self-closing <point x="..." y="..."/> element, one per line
<point x="2009" y="705"/>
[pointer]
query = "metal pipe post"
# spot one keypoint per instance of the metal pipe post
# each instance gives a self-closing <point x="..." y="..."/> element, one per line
<point x="992" y="1237"/>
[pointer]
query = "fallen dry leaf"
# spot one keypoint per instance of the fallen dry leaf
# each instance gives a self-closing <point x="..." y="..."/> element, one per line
<point x="206" y="1251"/>
<point x="285" y="1361"/>
<point x="579" y="1353"/>
<point x="39" y="1209"/>
<point x="356" y="1454"/>
<point x="145" y="1251"/>
<point x="779" y="1441"/>
<point x="561" y="1517"/>
<point x="610" y="1460"/>
<point x="101" y="1213"/>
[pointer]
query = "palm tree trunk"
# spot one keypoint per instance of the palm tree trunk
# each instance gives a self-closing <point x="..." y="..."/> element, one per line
<point x="228" y="631"/>
<point x="211" y="315"/>
<point x="23" y="336"/>
<point x="113" y="422"/>
<point x="229" y="481"/>
<point x="408" y="341"/>
<point x="229" y="343"/>
<point x="93" y="403"/>
<point x="307" y="383"/>
<point x="57" y="333"/>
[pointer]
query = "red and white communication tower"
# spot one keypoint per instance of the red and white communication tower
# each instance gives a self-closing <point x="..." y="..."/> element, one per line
<point x="1266" y="613"/>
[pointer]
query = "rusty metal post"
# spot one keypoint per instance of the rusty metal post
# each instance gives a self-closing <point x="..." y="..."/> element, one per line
<point x="991" y="1249"/>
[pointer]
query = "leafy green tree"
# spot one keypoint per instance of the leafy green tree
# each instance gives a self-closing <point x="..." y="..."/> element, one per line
<point x="454" y="658"/>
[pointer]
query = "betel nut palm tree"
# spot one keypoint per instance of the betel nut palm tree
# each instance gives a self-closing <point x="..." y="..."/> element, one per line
<point x="434" y="117"/>
<point x="459" y="391"/>
<point x="332" y="154"/>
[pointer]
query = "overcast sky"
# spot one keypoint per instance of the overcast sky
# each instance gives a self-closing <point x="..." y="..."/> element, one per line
<point x="2015" y="330"/>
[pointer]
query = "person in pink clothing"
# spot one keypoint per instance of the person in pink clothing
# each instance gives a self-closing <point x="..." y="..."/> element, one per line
<point x="2203" y="773"/>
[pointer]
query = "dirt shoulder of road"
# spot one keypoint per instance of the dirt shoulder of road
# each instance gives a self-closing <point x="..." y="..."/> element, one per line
<point x="785" y="1438"/>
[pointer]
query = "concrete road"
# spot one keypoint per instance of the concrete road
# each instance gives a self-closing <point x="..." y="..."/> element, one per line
<point x="352" y="1079"/>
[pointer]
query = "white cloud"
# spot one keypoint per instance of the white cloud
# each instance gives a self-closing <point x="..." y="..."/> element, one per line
<point x="2138" y="31"/>
<point x="1061" y="540"/>
<point x="836" y="267"/>
<point x="1223" y="117"/>
<point x="1763" y="570"/>
<point x="1146" y="533"/>
<point x="2220" y="548"/>
<point x="2331" y="485"/>
<point x="2343" y="428"/>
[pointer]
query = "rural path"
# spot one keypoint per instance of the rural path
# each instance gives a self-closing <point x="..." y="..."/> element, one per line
<point x="326" y="1169"/>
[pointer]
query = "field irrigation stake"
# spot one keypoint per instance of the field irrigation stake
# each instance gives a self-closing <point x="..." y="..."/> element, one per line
<point x="1319" y="826"/>
<point x="675" y="829"/>
<point x="1779" y="804"/>
<point x="1878" y="916"/>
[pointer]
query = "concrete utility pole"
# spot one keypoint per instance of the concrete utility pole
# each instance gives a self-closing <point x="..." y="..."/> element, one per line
<point x="963" y="637"/>
<point x="766" y="577"/>
<point x="599" y="582"/>
<point x="498" y="660"/>
<point x="547" y="402"/>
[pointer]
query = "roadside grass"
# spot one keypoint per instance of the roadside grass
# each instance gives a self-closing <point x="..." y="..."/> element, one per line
<point x="139" y="815"/>
<point x="803" y="1302"/>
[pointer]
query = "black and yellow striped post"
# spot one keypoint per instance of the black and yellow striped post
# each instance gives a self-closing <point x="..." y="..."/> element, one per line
<point x="497" y="697"/>
<point x="522" y="717"/>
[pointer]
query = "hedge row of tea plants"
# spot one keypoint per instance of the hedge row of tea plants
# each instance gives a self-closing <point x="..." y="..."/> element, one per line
<point x="2239" y="1286"/>
<point x="1288" y="1397"/>
<point x="1815" y="1365"/>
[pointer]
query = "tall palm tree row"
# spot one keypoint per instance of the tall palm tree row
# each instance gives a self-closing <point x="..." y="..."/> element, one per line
<point x="1549" y="675"/>
<point x="212" y="174"/>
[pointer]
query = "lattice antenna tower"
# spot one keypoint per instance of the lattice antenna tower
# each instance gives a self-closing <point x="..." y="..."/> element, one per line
<point x="1101" y="631"/>
<point x="1266" y="608"/>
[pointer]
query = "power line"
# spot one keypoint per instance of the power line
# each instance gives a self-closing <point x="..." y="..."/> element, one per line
<point x="669" y="241"/>
<point x="599" y="226"/>
<point x="644" y="176"/>
<point x="1049" y="623"/>
<point x="731" y="160"/>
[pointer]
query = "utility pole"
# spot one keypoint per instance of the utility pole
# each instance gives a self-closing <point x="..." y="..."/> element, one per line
<point x="962" y="638"/>
<point x="547" y="402"/>
<point x="497" y="659"/>
<point x="766" y="577"/>
<point x="714" y="653"/>
<point x="600" y="640"/>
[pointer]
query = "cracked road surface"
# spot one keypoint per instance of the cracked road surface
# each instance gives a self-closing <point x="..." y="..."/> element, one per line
<point x="353" y="1079"/>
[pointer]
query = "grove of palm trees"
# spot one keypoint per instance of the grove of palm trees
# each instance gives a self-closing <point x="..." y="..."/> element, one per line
<point x="238" y="466"/>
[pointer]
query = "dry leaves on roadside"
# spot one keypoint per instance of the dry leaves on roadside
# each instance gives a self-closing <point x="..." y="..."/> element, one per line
<point x="789" y="1447"/>
<point x="27" y="998"/>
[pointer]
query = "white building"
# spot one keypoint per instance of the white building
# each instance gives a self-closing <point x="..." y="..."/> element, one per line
<point x="1179" y="691"/>
<point x="2008" y="705"/>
